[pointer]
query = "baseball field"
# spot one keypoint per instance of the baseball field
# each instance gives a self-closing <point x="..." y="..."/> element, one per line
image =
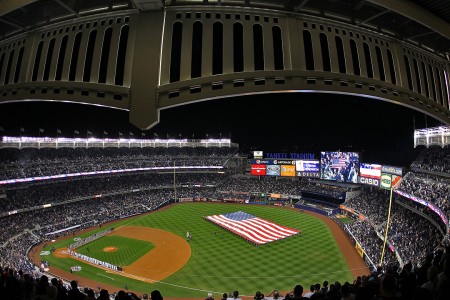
<point x="154" y="253"/>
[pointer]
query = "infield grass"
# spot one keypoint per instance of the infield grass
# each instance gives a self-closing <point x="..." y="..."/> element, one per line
<point x="128" y="250"/>
<point x="222" y="262"/>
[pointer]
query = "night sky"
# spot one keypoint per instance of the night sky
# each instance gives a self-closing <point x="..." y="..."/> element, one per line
<point x="294" y="122"/>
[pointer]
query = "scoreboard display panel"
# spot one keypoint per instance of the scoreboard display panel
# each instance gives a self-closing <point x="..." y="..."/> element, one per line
<point x="285" y="167"/>
<point x="340" y="166"/>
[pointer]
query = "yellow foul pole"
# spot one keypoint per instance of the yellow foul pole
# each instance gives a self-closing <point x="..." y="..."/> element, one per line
<point x="387" y="227"/>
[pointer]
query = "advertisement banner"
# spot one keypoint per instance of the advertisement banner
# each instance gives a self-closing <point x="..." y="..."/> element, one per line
<point x="272" y="162"/>
<point x="273" y="170"/>
<point x="307" y="166"/>
<point x="395" y="180"/>
<point x="392" y="170"/>
<point x="308" y="174"/>
<point x="259" y="170"/>
<point x="370" y="171"/>
<point x="369" y="181"/>
<point x="257" y="154"/>
<point x="386" y="181"/>
<point x="261" y="161"/>
<point x="350" y="210"/>
<point x="359" y="249"/>
<point x="288" y="170"/>
<point x="284" y="162"/>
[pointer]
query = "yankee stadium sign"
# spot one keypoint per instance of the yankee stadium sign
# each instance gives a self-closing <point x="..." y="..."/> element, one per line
<point x="290" y="155"/>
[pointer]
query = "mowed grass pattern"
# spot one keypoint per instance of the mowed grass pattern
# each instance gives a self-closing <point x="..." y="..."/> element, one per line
<point x="222" y="261"/>
<point x="128" y="250"/>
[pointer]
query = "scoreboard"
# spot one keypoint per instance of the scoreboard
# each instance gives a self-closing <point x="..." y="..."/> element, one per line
<point x="285" y="168"/>
<point x="332" y="165"/>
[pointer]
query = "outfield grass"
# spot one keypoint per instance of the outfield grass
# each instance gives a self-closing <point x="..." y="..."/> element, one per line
<point x="223" y="262"/>
<point x="346" y="220"/>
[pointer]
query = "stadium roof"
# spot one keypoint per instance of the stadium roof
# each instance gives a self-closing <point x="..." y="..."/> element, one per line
<point x="421" y="22"/>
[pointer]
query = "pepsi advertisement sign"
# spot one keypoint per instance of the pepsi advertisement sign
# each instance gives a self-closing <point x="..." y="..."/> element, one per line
<point x="261" y="161"/>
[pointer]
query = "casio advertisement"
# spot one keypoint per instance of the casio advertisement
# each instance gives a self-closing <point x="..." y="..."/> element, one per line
<point x="369" y="181"/>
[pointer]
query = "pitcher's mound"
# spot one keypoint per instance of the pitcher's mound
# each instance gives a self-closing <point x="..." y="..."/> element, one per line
<point x="110" y="249"/>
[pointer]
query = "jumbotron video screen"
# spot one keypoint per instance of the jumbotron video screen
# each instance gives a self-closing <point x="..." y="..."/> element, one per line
<point x="339" y="166"/>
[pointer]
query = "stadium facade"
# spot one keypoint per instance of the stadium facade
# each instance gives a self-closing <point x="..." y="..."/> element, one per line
<point x="144" y="56"/>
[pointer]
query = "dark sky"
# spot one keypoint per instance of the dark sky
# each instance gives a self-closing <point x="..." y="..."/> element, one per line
<point x="294" y="122"/>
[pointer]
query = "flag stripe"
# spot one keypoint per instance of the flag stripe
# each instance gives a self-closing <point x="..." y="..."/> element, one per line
<point x="248" y="228"/>
<point x="278" y="227"/>
<point x="255" y="222"/>
<point x="252" y="228"/>
<point x="248" y="236"/>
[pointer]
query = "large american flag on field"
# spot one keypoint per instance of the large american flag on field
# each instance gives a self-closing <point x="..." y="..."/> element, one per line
<point x="251" y="228"/>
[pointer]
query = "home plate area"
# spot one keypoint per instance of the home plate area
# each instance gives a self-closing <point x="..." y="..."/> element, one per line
<point x="252" y="228"/>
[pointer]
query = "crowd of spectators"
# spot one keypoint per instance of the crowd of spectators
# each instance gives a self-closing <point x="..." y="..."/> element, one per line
<point x="410" y="234"/>
<point x="288" y="186"/>
<point x="27" y="196"/>
<point x="431" y="188"/>
<point x="31" y="162"/>
<point x="434" y="159"/>
<point x="366" y="235"/>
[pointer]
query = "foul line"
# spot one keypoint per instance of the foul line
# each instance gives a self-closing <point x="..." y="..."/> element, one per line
<point x="105" y="276"/>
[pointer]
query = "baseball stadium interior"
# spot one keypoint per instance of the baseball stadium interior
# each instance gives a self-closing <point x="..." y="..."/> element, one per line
<point x="61" y="196"/>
